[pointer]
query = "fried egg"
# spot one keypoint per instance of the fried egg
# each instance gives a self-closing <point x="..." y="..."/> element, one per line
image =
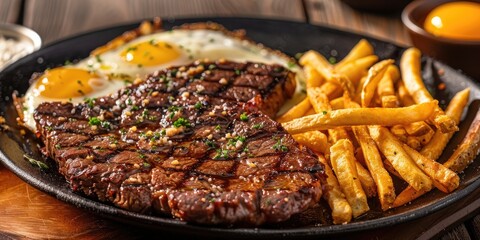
<point x="106" y="73"/>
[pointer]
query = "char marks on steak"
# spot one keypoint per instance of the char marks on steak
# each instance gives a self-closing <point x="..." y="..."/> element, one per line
<point x="195" y="142"/>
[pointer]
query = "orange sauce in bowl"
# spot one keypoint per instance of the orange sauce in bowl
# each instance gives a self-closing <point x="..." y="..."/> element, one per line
<point x="455" y="20"/>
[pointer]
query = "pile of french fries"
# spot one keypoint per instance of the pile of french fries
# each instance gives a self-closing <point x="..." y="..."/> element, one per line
<point x="368" y="120"/>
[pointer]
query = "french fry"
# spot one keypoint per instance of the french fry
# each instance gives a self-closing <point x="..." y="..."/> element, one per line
<point x="375" y="74"/>
<point x="443" y="178"/>
<point x="324" y="68"/>
<point x="341" y="209"/>
<point x="385" y="89"/>
<point x="407" y="195"/>
<point x="434" y="148"/>
<point x="343" y="164"/>
<point x="332" y="90"/>
<point x="389" y="167"/>
<point x="318" y="99"/>
<point x="315" y="140"/>
<point x="425" y="138"/>
<point x="373" y="160"/>
<point x="414" y="143"/>
<point x="417" y="128"/>
<point x="313" y="78"/>
<point x="466" y="152"/>
<point x="358" y="68"/>
<point x="366" y="180"/>
<point x="390" y="101"/>
<point x="399" y="158"/>
<point x="337" y="103"/>
<point x="468" y="149"/>
<point x="362" y="49"/>
<point x="411" y="73"/>
<point x="310" y="111"/>
<point x="361" y="116"/>
<point x="399" y="132"/>
<point x="296" y="111"/>
<point x="403" y="95"/>
<point x="385" y="86"/>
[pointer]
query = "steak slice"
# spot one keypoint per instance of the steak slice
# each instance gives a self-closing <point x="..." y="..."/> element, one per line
<point x="195" y="142"/>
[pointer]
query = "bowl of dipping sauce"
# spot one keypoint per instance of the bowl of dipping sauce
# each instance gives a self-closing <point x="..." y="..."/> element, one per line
<point x="446" y="30"/>
<point x="15" y="42"/>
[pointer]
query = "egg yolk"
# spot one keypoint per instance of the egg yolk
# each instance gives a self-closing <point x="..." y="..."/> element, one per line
<point x="150" y="53"/>
<point x="65" y="83"/>
<point x="457" y="20"/>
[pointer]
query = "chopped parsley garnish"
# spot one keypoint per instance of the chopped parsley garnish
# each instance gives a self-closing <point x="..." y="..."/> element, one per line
<point x="233" y="141"/>
<point x="181" y="122"/>
<point x="218" y="127"/>
<point x="163" y="132"/>
<point x="135" y="108"/>
<point x="278" y="146"/>
<point x="173" y="108"/>
<point x="94" y="121"/>
<point x="291" y="64"/>
<point x="105" y="124"/>
<point x="57" y="146"/>
<point x="67" y="62"/>
<point x="258" y="126"/>
<point x="98" y="58"/>
<point x="145" y="113"/>
<point x="142" y="156"/>
<point x="211" y="144"/>
<point x="244" y="117"/>
<point x="237" y="72"/>
<point x="146" y="165"/>
<point x="173" y="72"/>
<point x="36" y="162"/>
<point x="198" y="105"/>
<point x="222" y="153"/>
<point x="212" y="66"/>
<point x="90" y="102"/>
<point x="324" y="112"/>
<point x="155" y="136"/>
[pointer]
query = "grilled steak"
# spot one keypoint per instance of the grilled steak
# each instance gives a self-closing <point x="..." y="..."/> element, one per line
<point x="195" y="142"/>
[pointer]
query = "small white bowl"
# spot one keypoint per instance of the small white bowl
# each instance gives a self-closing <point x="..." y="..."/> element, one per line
<point x="19" y="40"/>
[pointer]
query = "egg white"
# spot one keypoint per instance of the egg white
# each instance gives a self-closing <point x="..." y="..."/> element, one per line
<point x="191" y="44"/>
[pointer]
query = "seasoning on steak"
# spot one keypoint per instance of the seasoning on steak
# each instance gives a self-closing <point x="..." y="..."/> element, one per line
<point x="195" y="142"/>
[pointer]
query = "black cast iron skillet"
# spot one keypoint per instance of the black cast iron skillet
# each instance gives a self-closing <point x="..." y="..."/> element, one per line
<point x="289" y="37"/>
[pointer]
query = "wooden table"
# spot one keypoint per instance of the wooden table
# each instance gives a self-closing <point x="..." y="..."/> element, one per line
<point x="26" y="212"/>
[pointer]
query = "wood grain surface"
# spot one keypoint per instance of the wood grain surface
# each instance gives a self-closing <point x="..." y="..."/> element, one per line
<point x="69" y="17"/>
<point x="341" y="16"/>
<point x="9" y="10"/>
<point x="26" y="213"/>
